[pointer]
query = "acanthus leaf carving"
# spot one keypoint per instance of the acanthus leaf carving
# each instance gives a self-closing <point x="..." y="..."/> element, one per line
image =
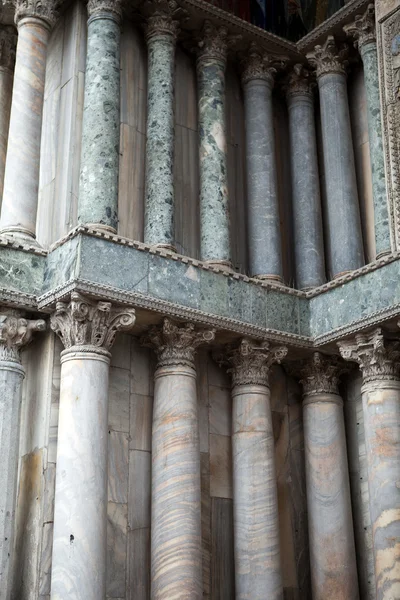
<point x="259" y="64"/>
<point x="299" y="82"/>
<point x="15" y="332"/>
<point x="319" y="374"/>
<point x="214" y="43"/>
<point x="113" y="7"/>
<point x="47" y="10"/>
<point x="162" y="18"/>
<point x="363" y="28"/>
<point x="329" y="57"/>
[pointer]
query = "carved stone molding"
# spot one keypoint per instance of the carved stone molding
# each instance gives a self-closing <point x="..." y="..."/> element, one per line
<point x="176" y="344"/>
<point x="8" y="44"/>
<point x="378" y="360"/>
<point x="112" y="7"/>
<point x="258" y="64"/>
<point x="250" y="362"/>
<point x="319" y="374"/>
<point x="213" y="44"/>
<point x="16" y="331"/>
<point x="47" y="10"/>
<point x="88" y="325"/>
<point x="299" y="82"/>
<point x="162" y="18"/>
<point x="363" y="28"/>
<point x="329" y="58"/>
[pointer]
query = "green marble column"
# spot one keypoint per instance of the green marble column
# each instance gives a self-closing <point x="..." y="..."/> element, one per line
<point x="159" y="207"/>
<point x="98" y="189"/>
<point x="363" y="30"/>
<point x="214" y="212"/>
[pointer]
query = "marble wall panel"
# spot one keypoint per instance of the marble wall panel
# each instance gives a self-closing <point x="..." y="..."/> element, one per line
<point x="222" y="562"/>
<point x="138" y="587"/>
<point x="117" y="532"/>
<point x="139" y="489"/>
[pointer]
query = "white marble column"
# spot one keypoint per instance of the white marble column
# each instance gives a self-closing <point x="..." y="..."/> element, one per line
<point x="176" y="570"/>
<point x="330" y="522"/>
<point x="255" y="498"/>
<point x="15" y="332"/>
<point x="21" y="179"/>
<point x="379" y="361"/>
<point x="87" y="330"/>
<point x="8" y="43"/>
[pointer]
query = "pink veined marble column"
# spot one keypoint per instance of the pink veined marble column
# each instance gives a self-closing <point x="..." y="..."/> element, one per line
<point x="87" y="330"/>
<point x="330" y="520"/>
<point x="176" y="567"/>
<point x="8" y="42"/>
<point x="380" y="365"/>
<point x="34" y="20"/>
<point x="255" y="498"/>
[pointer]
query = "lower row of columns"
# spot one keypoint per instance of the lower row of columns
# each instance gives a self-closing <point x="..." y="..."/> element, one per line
<point x="87" y="330"/>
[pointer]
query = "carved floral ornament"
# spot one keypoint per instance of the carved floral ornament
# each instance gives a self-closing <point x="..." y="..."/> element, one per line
<point x="258" y="64"/>
<point x="299" y="82"/>
<point x="47" y="10"/>
<point x="363" y="28"/>
<point x="113" y="7"/>
<point x="329" y="58"/>
<point x="213" y="44"/>
<point x="16" y="331"/>
<point x="162" y="18"/>
<point x="319" y="374"/>
<point x="88" y="325"/>
<point x="8" y="44"/>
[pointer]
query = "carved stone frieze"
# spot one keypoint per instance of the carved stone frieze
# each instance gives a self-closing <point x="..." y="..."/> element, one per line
<point x="299" y="82"/>
<point x="87" y="325"/>
<point x="15" y="332"/>
<point x="363" y="28"/>
<point x="8" y="44"/>
<point x="378" y="359"/>
<point x="162" y="18"/>
<point x="176" y="344"/>
<point x="96" y="7"/>
<point x="213" y="44"/>
<point x="250" y="362"/>
<point x="319" y="374"/>
<point x="47" y="10"/>
<point x="329" y="57"/>
<point x="258" y="64"/>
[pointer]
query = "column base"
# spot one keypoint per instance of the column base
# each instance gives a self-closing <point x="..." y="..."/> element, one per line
<point x="100" y="227"/>
<point x="169" y="247"/>
<point x="225" y="265"/>
<point x="383" y="253"/>
<point x="277" y="279"/>
<point x="20" y="234"/>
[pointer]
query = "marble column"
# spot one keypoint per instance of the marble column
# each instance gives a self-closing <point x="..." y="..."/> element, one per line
<point x="8" y="43"/>
<point x="306" y="199"/>
<point x="161" y="33"/>
<point x="87" y="330"/>
<point x="379" y="361"/>
<point x="343" y="225"/>
<point x="363" y="30"/>
<point x="255" y="498"/>
<point x="176" y="570"/>
<point x="15" y="332"/>
<point x="264" y="230"/>
<point x="330" y="522"/>
<point x="21" y="178"/>
<point x="214" y="209"/>
<point x="98" y="186"/>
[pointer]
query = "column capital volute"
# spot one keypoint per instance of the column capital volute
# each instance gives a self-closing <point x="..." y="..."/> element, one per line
<point x="110" y="8"/>
<point x="175" y="344"/>
<point x="87" y="325"/>
<point x="259" y="64"/>
<point x="329" y="58"/>
<point x="362" y="29"/>
<point x="8" y="44"/>
<point x="378" y="359"/>
<point x="44" y="10"/>
<point x="16" y="331"/>
<point x="319" y="374"/>
<point x="162" y="18"/>
<point x="299" y="82"/>
<point x="249" y="362"/>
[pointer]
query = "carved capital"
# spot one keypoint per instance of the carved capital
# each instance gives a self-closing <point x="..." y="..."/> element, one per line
<point x="8" y="44"/>
<point x="299" y="82"/>
<point x="46" y="10"/>
<point x="110" y="7"/>
<point x="250" y="362"/>
<point x="213" y="44"/>
<point x="363" y="28"/>
<point x="89" y="325"/>
<point x="176" y="344"/>
<point x="15" y="332"/>
<point x="258" y="64"/>
<point x="162" y="18"/>
<point x="329" y="58"/>
<point x="378" y="359"/>
<point x="319" y="374"/>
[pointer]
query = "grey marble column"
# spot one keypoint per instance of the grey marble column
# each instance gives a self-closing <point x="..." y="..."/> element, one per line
<point x="306" y="199"/>
<point x="379" y="362"/>
<point x="255" y="498"/>
<point x="161" y="33"/>
<point x="175" y="506"/>
<point x="8" y="43"/>
<point x="87" y="330"/>
<point x="15" y="332"/>
<point x="214" y="207"/>
<point x="330" y="522"/>
<point x="98" y="187"/>
<point x="21" y="178"/>
<point x="343" y="226"/>
<point x="264" y="232"/>
<point x="363" y="30"/>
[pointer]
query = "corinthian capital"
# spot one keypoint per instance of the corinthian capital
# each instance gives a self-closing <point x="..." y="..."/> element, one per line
<point x="111" y="7"/>
<point x="162" y="18"/>
<point x="328" y="58"/>
<point x="84" y="324"/>
<point x="258" y="64"/>
<point x="47" y="10"/>
<point x="15" y="332"/>
<point x="378" y="360"/>
<point x="176" y="344"/>
<point x="319" y="374"/>
<point x="299" y="82"/>
<point x="250" y="362"/>
<point x="213" y="44"/>
<point x="8" y="44"/>
<point x="363" y="28"/>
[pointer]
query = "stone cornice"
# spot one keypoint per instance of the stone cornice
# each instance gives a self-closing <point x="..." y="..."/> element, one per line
<point x="46" y="10"/>
<point x="258" y="64"/>
<point x="299" y="82"/>
<point x="328" y="58"/>
<point x="8" y="44"/>
<point x="363" y="28"/>
<point x="319" y="374"/>
<point x="111" y="7"/>
<point x="15" y="332"/>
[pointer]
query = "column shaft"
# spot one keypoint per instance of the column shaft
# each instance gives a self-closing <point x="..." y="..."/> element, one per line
<point x="176" y="520"/>
<point x="98" y="188"/>
<point x="255" y="498"/>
